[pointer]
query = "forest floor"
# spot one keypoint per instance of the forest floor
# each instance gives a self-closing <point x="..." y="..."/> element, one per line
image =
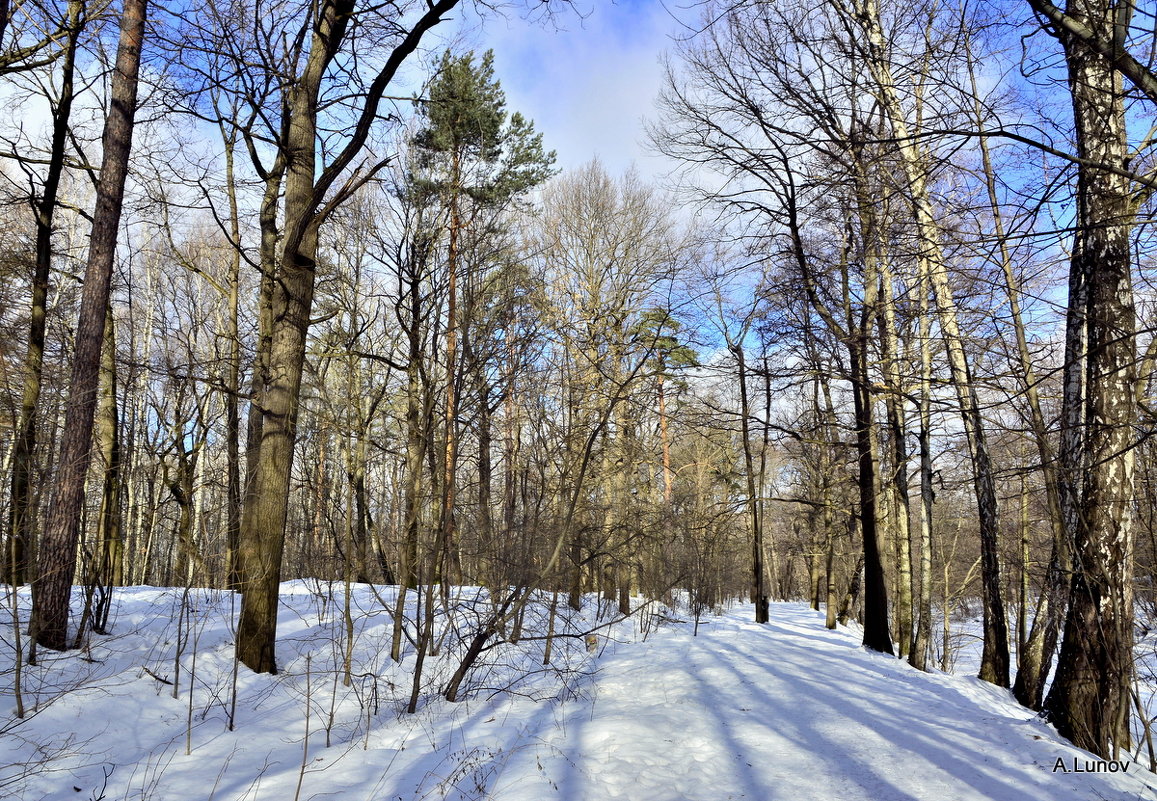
<point x="786" y="711"/>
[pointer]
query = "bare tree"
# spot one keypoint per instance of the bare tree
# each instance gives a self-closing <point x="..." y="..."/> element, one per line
<point x="21" y="511"/>
<point x="52" y="587"/>
<point x="288" y="290"/>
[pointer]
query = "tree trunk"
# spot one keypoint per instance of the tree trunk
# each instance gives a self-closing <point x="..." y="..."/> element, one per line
<point x="109" y="570"/>
<point x="1089" y="698"/>
<point x="447" y="523"/>
<point x="827" y="516"/>
<point x="267" y="496"/>
<point x="308" y="200"/>
<point x="53" y="585"/>
<point x="898" y="478"/>
<point x="758" y="588"/>
<point x="233" y="383"/>
<point x="922" y="643"/>
<point x="21" y="513"/>
<point x="877" y="635"/>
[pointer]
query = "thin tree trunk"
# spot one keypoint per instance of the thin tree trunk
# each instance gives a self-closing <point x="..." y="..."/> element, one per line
<point x="233" y="382"/>
<point x="109" y="536"/>
<point x="898" y="478"/>
<point x="447" y="529"/>
<point x="827" y="516"/>
<point x="21" y="512"/>
<point x="758" y="589"/>
<point x="775" y="579"/>
<point x="854" y="334"/>
<point x="922" y="643"/>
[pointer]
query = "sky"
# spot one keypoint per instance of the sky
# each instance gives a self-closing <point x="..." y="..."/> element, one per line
<point x="588" y="78"/>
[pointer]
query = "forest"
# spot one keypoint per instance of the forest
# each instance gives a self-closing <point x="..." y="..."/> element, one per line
<point x="288" y="292"/>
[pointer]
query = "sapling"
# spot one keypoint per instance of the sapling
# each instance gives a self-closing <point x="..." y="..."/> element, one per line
<point x="221" y="774"/>
<point x="424" y="635"/>
<point x="182" y="639"/>
<point x="347" y="612"/>
<point x="305" y="742"/>
<point x="236" y="661"/>
<point x="399" y="625"/>
<point x="18" y="651"/>
<point x="192" y="679"/>
<point x="371" y="708"/>
<point x="1146" y="722"/>
<point x="332" y="716"/>
<point x="550" y="628"/>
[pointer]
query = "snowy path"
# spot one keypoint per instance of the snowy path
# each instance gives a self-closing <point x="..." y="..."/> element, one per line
<point x="793" y="712"/>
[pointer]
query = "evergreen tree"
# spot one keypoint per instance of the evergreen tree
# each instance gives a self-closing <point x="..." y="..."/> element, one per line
<point x="467" y="147"/>
<point x="473" y="162"/>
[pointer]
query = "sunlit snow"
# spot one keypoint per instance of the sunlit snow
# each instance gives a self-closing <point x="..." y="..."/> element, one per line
<point x="786" y="711"/>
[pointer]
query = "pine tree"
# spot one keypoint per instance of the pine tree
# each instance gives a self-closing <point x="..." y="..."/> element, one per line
<point x="470" y="159"/>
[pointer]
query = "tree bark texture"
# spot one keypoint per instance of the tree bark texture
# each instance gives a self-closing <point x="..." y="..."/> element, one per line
<point x="52" y="587"/>
<point x="1089" y="698"/>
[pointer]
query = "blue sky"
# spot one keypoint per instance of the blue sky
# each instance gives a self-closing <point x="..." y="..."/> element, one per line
<point x="588" y="78"/>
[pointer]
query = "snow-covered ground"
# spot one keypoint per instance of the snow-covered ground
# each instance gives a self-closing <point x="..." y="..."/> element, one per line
<point x="786" y="711"/>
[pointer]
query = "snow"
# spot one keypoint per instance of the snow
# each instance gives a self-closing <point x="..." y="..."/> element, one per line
<point x="785" y="711"/>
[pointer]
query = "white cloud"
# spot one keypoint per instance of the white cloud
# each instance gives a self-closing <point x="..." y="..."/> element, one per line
<point x="587" y="81"/>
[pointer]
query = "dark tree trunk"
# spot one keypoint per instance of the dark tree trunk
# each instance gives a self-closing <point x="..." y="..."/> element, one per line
<point x="53" y="585"/>
<point x="877" y="635"/>
<point x="759" y="595"/>
<point x="21" y="512"/>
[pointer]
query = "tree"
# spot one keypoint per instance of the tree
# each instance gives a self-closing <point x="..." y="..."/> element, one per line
<point x="52" y="587"/>
<point x="1090" y="695"/>
<point x="290" y="264"/>
<point x="475" y="163"/>
<point x="21" y="512"/>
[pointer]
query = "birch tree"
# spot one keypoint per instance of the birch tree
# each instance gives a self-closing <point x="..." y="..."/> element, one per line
<point x="1089" y="700"/>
